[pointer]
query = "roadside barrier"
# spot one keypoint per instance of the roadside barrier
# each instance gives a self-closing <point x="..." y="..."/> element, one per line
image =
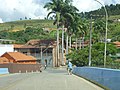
<point x="107" y="77"/>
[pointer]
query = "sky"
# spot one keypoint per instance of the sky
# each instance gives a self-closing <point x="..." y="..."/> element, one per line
<point x="11" y="10"/>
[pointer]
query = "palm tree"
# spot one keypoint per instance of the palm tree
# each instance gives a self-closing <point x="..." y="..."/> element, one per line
<point x="66" y="20"/>
<point x="99" y="29"/>
<point x="55" y="6"/>
<point x="59" y="7"/>
<point x="79" y="28"/>
<point x="69" y="19"/>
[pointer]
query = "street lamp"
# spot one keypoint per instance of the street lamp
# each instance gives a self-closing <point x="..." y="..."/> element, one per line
<point x="90" y="45"/>
<point x="105" y="31"/>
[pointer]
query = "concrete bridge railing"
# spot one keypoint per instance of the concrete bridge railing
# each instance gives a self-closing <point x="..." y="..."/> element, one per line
<point x="109" y="78"/>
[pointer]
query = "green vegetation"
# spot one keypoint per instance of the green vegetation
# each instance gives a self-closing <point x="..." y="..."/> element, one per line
<point x="28" y="34"/>
<point x="25" y="30"/>
<point x="23" y="24"/>
<point x="80" y="57"/>
<point x="113" y="11"/>
<point x="77" y="28"/>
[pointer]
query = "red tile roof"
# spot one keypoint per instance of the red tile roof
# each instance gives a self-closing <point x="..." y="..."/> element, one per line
<point x="17" y="45"/>
<point x="37" y="44"/>
<point x="117" y="43"/>
<point x="33" y="42"/>
<point x="3" y="58"/>
<point x="19" y="56"/>
<point x="40" y="42"/>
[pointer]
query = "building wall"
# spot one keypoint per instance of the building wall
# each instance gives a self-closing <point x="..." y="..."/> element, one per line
<point x="36" y="52"/>
<point x="21" y="68"/>
<point x="3" y="61"/>
<point x="5" y="48"/>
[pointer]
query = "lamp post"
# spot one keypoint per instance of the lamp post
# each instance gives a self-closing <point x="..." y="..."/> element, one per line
<point x="90" y="47"/>
<point x="106" y="16"/>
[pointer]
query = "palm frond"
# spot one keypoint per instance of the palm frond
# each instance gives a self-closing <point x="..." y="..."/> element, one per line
<point x="50" y="13"/>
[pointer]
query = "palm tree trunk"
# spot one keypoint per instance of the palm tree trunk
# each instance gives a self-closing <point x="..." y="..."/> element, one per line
<point x="67" y="44"/>
<point x="70" y="42"/>
<point x="63" y="45"/>
<point x="58" y="58"/>
<point x="76" y="43"/>
<point x="83" y="42"/>
<point x="80" y="44"/>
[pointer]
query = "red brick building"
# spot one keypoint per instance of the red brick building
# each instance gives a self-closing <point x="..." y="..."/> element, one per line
<point x="17" y="57"/>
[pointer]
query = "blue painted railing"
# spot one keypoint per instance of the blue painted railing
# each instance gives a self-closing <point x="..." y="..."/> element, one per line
<point x="107" y="77"/>
<point x="4" y="71"/>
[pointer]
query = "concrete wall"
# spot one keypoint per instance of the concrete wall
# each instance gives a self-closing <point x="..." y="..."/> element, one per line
<point x="20" y="68"/>
<point x="107" y="77"/>
<point x="6" y="48"/>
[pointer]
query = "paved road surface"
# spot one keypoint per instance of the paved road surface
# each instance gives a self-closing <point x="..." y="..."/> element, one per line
<point x="49" y="79"/>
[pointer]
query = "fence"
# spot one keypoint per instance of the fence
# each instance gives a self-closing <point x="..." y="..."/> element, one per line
<point x="21" y="68"/>
<point x="107" y="77"/>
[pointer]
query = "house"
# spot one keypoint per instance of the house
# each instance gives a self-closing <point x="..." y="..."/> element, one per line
<point x="19" y="58"/>
<point x="80" y="44"/>
<point x="117" y="44"/>
<point x="3" y="60"/>
<point x="6" y="48"/>
<point x="41" y="49"/>
<point x="117" y="56"/>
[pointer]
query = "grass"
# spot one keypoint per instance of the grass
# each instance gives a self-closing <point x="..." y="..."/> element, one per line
<point x="22" y="24"/>
<point x="113" y="17"/>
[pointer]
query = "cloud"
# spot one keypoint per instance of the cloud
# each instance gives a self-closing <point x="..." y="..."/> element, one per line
<point x="112" y="2"/>
<point x="15" y="9"/>
<point x="88" y="5"/>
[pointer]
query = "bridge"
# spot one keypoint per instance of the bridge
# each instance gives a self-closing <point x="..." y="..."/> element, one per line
<point x="49" y="79"/>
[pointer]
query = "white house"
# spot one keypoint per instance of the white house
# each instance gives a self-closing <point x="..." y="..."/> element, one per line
<point x="6" y="48"/>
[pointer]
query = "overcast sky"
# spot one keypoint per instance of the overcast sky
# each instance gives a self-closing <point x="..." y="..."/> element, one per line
<point x="11" y="10"/>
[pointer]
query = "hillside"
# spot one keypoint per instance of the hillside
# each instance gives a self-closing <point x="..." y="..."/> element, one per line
<point x="113" y="19"/>
<point x="25" y="30"/>
<point x="23" y="24"/>
<point x="113" y="10"/>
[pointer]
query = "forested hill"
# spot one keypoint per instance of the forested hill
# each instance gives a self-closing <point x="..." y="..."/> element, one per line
<point x="111" y="9"/>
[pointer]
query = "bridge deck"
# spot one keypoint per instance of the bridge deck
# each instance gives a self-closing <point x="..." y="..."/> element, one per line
<point x="49" y="79"/>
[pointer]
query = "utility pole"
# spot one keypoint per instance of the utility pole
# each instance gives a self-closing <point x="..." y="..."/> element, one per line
<point x="63" y="45"/>
<point x="106" y="14"/>
<point x="90" y="45"/>
<point x="41" y="53"/>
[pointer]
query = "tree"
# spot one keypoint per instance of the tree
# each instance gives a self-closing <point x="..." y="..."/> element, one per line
<point x="12" y="26"/>
<point x="61" y="9"/>
<point x="25" y="17"/>
<point x="99" y="29"/>
<point x="68" y="21"/>
<point x="55" y="7"/>
<point x="80" y="57"/>
<point x="79" y="28"/>
<point x="20" y="18"/>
